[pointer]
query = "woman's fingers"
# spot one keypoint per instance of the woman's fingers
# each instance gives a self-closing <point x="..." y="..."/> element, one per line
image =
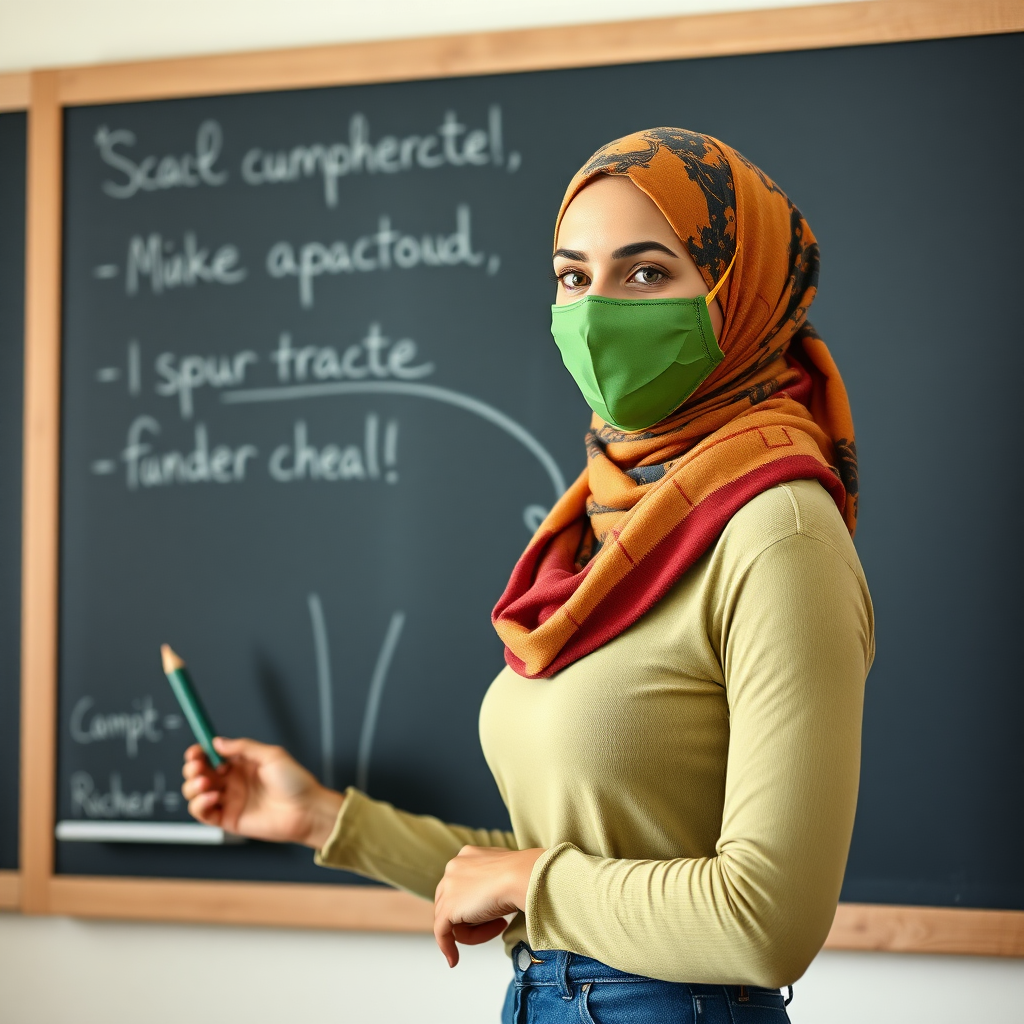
<point x="201" y="784"/>
<point x="450" y="925"/>
<point x="444" y="930"/>
<point x="474" y="893"/>
<point x="448" y="934"/>
<point x="200" y="778"/>
<point x="251" y="750"/>
<point x="204" y="781"/>
<point x="190" y="769"/>
<point x="206" y="808"/>
<point x="474" y="934"/>
<point x="259" y="791"/>
<point x="444" y="934"/>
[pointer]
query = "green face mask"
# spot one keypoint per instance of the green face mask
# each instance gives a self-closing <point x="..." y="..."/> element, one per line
<point x="637" y="360"/>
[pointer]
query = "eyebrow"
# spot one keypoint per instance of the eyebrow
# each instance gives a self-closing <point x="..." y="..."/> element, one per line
<point x="633" y="249"/>
<point x="638" y="247"/>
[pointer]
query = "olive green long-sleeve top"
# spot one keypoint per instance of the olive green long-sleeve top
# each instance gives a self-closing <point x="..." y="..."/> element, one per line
<point x="693" y="781"/>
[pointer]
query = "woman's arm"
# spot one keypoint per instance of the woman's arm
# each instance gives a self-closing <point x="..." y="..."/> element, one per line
<point x="796" y="641"/>
<point x="408" y="851"/>
<point x="262" y="792"/>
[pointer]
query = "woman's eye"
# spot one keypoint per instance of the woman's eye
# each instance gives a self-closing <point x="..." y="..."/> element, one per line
<point x="573" y="279"/>
<point x="649" y="275"/>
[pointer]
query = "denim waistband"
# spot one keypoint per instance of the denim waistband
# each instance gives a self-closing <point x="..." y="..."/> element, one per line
<point x="564" y="970"/>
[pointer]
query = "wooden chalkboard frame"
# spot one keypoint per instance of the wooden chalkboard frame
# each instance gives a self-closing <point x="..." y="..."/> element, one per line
<point x="14" y="91"/>
<point x="856" y="926"/>
<point x="14" y="96"/>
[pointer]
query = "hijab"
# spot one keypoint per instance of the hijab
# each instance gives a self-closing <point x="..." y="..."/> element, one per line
<point x="649" y="503"/>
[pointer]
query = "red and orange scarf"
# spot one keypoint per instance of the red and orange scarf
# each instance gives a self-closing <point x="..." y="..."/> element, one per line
<point x="650" y="503"/>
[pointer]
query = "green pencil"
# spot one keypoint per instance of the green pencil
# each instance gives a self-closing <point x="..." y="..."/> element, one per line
<point x="181" y="684"/>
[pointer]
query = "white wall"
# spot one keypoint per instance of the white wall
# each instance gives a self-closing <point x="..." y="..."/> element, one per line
<point x="37" y="33"/>
<point x="57" y="970"/>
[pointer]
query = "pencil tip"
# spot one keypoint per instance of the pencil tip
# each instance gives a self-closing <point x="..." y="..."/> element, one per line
<point x="170" y="659"/>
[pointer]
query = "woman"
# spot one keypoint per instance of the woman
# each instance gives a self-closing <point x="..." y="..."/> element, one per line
<point x="677" y="733"/>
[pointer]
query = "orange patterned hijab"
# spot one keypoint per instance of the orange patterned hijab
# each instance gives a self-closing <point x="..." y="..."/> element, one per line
<point x="650" y="503"/>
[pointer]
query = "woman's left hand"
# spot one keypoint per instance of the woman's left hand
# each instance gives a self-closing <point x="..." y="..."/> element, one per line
<point x="481" y="884"/>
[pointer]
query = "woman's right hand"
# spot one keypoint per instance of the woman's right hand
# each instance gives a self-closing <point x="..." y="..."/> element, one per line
<point x="259" y="791"/>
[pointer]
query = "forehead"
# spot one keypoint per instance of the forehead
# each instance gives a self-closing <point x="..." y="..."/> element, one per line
<point x="608" y="212"/>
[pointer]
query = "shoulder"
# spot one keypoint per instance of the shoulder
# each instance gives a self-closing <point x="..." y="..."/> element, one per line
<point x="785" y="567"/>
<point x="783" y="563"/>
<point x="792" y="516"/>
<point x="785" y="548"/>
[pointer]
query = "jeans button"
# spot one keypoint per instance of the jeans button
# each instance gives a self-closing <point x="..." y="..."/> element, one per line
<point x="523" y="959"/>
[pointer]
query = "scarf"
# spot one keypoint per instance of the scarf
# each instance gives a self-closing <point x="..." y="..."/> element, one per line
<point x="649" y="503"/>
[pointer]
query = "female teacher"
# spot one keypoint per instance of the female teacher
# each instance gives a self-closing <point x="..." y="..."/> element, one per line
<point x="677" y="732"/>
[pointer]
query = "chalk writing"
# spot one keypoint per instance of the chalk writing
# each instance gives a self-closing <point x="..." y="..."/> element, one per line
<point x="156" y="258"/>
<point x="533" y="516"/>
<point x="374" y="457"/>
<point x="374" y="356"/>
<point x="222" y="465"/>
<point x="117" y="802"/>
<point x="412" y="389"/>
<point x="89" y="726"/>
<point x="153" y="173"/>
<point x="182" y="378"/>
<point x="373" y="697"/>
<point x="302" y="460"/>
<point x="453" y="144"/>
<point x="325" y="691"/>
<point x="384" y="249"/>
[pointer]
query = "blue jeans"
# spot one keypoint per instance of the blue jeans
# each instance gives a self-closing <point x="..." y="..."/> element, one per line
<point x="565" y="988"/>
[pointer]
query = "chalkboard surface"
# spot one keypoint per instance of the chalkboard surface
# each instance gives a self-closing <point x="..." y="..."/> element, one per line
<point x="12" y="301"/>
<point x="311" y="409"/>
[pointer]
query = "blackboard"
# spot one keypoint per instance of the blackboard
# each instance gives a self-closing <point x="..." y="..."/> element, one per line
<point x="399" y="314"/>
<point x="12" y="302"/>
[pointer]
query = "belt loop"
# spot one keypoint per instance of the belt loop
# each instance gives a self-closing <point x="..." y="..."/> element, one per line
<point x="562" y="973"/>
<point x="517" y="1004"/>
<point x="744" y="996"/>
